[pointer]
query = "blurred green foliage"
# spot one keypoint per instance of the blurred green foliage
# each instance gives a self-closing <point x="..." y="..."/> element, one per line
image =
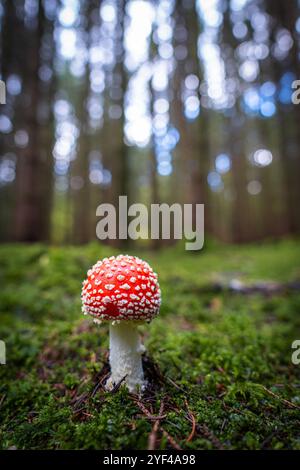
<point x="229" y="354"/>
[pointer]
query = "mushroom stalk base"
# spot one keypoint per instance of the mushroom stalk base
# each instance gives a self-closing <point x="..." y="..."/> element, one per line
<point x="125" y="356"/>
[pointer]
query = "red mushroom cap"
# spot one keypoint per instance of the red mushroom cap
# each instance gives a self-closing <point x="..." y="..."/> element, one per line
<point x="121" y="288"/>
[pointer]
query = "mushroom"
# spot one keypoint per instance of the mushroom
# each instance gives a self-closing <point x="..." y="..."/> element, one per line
<point x="123" y="290"/>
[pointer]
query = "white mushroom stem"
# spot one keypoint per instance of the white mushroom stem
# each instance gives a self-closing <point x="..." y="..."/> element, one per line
<point x="125" y="356"/>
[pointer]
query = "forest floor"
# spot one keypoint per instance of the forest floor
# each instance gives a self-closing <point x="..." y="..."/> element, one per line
<point x="218" y="355"/>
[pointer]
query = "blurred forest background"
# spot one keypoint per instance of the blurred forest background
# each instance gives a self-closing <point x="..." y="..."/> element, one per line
<point x="162" y="101"/>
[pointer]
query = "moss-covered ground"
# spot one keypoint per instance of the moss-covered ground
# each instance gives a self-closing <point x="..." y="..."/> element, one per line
<point x="219" y="362"/>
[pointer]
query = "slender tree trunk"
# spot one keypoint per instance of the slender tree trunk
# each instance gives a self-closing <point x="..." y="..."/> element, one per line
<point x="9" y="24"/>
<point x="240" y="209"/>
<point x="29" y="216"/>
<point x="117" y="149"/>
<point x="284" y="15"/>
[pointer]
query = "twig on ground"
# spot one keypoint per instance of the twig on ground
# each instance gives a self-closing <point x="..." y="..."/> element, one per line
<point x="175" y="384"/>
<point x="147" y="412"/>
<point x="223" y="424"/>
<point x="204" y="430"/>
<point x="171" y="440"/>
<point x="192" y="417"/>
<point x="2" y="399"/>
<point x="118" y="385"/>
<point x="268" y="439"/>
<point x="77" y="401"/>
<point x="100" y="383"/>
<point x="283" y="400"/>
<point x="153" y="435"/>
<point x="89" y="415"/>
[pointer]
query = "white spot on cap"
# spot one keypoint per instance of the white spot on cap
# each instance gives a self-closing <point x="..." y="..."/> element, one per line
<point x="109" y="286"/>
<point x="133" y="297"/>
<point x="125" y="286"/>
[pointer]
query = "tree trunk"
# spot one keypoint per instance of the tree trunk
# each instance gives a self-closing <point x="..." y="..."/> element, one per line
<point x="29" y="210"/>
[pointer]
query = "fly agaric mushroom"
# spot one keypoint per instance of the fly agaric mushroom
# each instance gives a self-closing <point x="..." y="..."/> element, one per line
<point x="123" y="290"/>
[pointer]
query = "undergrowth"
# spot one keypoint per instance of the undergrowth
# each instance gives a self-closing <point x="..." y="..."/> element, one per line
<point x="218" y="362"/>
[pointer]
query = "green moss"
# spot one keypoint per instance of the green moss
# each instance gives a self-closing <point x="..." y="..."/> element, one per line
<point x="225" y="358"/>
